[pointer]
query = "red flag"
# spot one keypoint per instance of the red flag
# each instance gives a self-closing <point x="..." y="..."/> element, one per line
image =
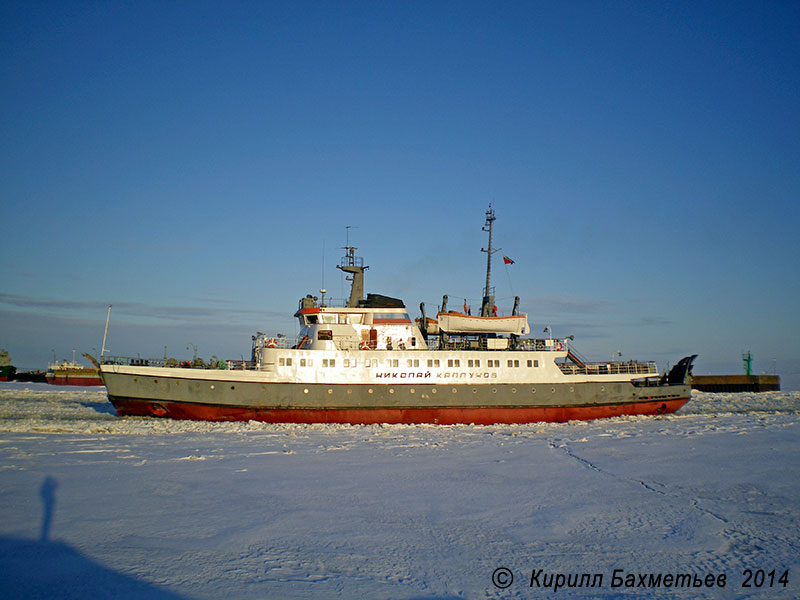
<point x="507" y="260"/>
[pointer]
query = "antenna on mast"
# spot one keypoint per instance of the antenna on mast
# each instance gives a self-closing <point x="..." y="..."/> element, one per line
<point x="347" y="235"/>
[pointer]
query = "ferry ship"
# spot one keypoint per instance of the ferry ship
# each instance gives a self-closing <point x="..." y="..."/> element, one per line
<point x="369" y="362"/>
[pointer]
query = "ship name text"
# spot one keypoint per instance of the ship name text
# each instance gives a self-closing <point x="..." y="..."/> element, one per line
<point x="429" y="375"/>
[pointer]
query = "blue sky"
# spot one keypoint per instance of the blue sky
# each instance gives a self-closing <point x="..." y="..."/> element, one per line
<point x="196" y="164"/>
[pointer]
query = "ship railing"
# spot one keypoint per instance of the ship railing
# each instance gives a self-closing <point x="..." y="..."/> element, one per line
<point x="240" y="365"/>
<point x="610" y="368"/>
<point x="347" y="344"/>
<point x="329" y="303"/>
<point x="542" y="344"/>
<point x="128" y="361"/>
<point x="472" y="343"/>
<point x="135" y="361"/>
<point x="334" y="303"/>
<point x="281" y="341"/>
<point x="278" y="340"/>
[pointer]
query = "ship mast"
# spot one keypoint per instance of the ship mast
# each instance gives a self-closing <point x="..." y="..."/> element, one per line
<point x="488" y="298"/>
<point x="355" y="266"/>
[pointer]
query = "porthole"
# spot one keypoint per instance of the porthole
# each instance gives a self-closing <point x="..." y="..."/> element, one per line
<point x="305" y="391"/>
<point x="212" y="386"/>
<point x="330" y="390"/>
<point x="233" y="387"/>
<point x="455" y="391"/>
<point x="391" y="390"/>
<point x="349" y="391"/>
<point x="602" y="388"/>
<point x="494" y="390"/>
<point x="571" y="389"/>
<point x="513" y="390"/>
<point x="433" y="391"/>
<point x="411" y="391"/>
<point x="533" y="390"/>
<point x="553" y="390"/>
<point x="474" y="390"/>
<point x="369" y="390"/>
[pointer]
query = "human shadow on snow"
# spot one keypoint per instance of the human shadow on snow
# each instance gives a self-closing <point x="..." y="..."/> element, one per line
<point x="51" y="569"/>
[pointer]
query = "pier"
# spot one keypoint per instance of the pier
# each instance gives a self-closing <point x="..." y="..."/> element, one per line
<point x="736" y="383"/>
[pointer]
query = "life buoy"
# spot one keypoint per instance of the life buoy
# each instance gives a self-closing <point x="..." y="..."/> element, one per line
<point x="272" y="342"/>
<point x="364" y="345"/>
<point x="559" y="346"/>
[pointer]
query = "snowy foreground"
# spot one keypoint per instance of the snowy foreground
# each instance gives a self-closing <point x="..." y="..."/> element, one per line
<point x="94" y="506"/>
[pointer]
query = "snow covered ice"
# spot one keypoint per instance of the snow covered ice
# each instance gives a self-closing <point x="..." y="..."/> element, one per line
<point x="92" y="505"/>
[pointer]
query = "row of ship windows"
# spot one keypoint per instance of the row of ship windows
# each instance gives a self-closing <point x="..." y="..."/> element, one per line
<point x="433" y="363"/>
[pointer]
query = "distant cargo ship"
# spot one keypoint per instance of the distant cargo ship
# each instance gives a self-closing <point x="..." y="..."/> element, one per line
<point x="72" y="373"/>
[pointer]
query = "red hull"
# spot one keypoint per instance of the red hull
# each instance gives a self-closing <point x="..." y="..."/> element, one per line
<point x="370" y="416"/>
<point x="81" y="381"/>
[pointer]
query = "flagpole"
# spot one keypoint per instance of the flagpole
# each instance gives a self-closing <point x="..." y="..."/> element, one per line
<point x="509" y="279"/>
